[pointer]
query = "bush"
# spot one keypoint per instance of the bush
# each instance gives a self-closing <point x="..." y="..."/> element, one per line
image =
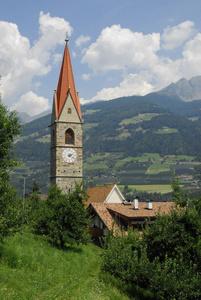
<point x="10" y="211"/>
<point x="63" y="217"/>
<point x="166" y="260"/>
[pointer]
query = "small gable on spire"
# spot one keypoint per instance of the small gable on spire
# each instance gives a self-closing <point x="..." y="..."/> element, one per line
<point x="66" y="86"/>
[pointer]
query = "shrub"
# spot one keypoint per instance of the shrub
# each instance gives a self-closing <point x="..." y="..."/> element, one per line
<point x="63" y="217"/>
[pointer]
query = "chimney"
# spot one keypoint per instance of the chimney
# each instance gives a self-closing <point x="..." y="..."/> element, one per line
<point x="148" y="204"/>
<point x="135" y="203"/>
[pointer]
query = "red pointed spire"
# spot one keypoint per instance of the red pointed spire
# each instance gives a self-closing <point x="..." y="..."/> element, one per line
<point x="66" y="85"/>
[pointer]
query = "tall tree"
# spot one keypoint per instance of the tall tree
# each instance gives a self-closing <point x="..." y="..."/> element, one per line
<point x="10" y="127"/>
<point x="63" y="217"/>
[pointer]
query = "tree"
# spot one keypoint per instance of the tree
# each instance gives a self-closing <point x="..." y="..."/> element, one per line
<point x="10" y="217"/>
<point x="10" y="127"/>
<point x="178" y="196"/>
<point x="35" y="187"/>
<point x="166" y="258"/>
<point x="63" y="217"/>
<point x="10" y="210"/>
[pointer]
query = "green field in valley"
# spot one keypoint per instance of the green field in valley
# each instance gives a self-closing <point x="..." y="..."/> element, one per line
<point x="163" y="189"/>
<point x="149" y="172"/>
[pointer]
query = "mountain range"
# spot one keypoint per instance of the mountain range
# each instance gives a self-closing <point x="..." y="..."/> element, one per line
<point x="185" y="90"/>
<point x="129" y="140"/>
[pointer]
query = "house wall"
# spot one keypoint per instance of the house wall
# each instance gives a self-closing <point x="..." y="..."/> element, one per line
<point x="114" y="197"/>
<point x="97" y="227"/>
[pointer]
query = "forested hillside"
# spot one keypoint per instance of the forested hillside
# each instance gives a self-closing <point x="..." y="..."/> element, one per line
<point x="139" y="127"/>
<point x="117" y="134"/>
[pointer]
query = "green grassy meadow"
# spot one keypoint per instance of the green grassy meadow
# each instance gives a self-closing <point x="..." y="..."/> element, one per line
<point x="139" y="118"/>
<point x="166" y="130"/>
<point x="36" y="270"/>
<point x="159" y="188"/>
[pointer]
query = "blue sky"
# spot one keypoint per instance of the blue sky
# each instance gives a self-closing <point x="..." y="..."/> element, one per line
<point x="118" y="48"/>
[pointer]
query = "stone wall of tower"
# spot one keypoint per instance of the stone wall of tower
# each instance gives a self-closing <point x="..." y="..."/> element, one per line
<point x="64" y="174"/>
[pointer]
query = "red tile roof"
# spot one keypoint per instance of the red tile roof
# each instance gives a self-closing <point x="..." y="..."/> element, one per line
<point x="106" y="212"/>
<point x="142" y="211"/>
<point x="66" y="85"/>
<point x="98" y="194"/>
<point x="105" y="216"/>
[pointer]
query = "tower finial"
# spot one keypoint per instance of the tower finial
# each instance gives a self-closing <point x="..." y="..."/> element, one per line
<point x="66" y="40"/>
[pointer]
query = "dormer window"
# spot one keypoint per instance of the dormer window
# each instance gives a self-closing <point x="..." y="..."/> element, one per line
<point x="69" y="137"/>
<point x="69" y="110"/>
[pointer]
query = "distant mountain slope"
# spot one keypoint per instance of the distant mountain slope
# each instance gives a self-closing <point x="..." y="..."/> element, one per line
<point x="25" y="118"/>
<point x="186" y="90"/>
<point x="171" y="103"/>
<point x="117" y="131"/>
<point x="132" y="126"/>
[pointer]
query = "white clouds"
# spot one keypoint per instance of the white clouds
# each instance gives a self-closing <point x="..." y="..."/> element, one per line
<point x="117" y="48"/>
<point x="86" y="76"/>
<point x="138" y="61"/>
<point x="31" y="103"/>
<point x="130" y="85"/>
<point x="82" y="40"/>
<point x="191" y="63"/>
<point x="175" y="36"/>
<point x="20" y="63"/>
<point x="142" y="55"/>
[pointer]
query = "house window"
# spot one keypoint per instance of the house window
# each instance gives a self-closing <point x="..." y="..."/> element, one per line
<point x="69" y="110"/>
<point x="69" y="137"/>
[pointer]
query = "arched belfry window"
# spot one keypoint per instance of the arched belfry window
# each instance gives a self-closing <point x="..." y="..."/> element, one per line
<point x="69" y="137"/>
<point x="69" y="110"/>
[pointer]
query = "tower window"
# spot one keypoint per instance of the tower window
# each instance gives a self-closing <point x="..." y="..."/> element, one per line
<point x="69" y="137"/>
<point x="69" y="110"/>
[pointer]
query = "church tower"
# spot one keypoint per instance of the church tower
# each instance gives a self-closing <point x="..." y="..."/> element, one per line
<point x="66" y="130"/>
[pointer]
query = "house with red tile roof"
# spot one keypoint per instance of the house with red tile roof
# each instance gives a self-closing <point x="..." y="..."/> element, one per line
<point x="111" y="214"/>
<point x="105" y="194"/>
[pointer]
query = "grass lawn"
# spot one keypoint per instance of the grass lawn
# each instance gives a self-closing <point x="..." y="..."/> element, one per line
<point x="147" y="156"/>
<point x="95" y="158"/>
<point x="159" y="188"/>
<point x="166" y="130"/>
<point x="157" y="167"/>
<point x="139" y="118"/>
<point x="121" y="162"/>
<point x="37" y="270"/>
<point x="44" y="139"/>
<point x="89" y="126"/>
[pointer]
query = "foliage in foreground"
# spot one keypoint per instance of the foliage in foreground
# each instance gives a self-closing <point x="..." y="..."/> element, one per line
<point x="10" y="214"/>
<point x="166" y="260"/>
<point x="63" y="217"/>
<point x="10" y="211"/>
<point x="10" y="127"/>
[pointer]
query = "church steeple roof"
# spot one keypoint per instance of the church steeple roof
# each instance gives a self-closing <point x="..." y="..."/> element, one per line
<point x="66" y="85"/>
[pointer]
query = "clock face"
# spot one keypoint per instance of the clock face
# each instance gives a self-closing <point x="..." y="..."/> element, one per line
<point x="69" y="155"/>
